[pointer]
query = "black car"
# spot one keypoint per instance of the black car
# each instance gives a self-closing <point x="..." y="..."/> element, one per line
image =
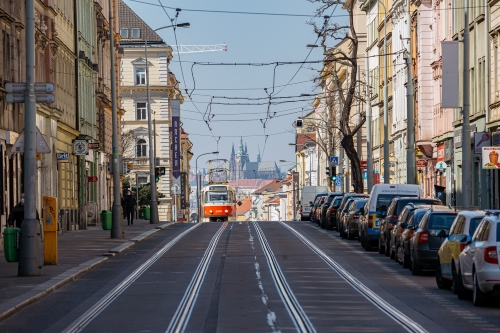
<point x="407" y="234"/>
<point x="315" y="205"/>
<point x="427" y="239"/>
<point x="348" y="227"/>
<point x="397" y="231"/>
<point x="331" y="212"/>
<point x="343" y="203"/>
<point x="325" y="206"/>
<point x="389" y="221"/>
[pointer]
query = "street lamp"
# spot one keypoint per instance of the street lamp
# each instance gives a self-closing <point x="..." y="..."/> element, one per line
<point x="198" y="183"/>
<point x="153" y="203"/>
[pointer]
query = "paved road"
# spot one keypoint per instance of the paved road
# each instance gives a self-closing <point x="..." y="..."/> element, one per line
<point x="251" y="277"/>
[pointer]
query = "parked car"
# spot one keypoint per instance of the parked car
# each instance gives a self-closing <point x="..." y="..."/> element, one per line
<point x="375" y="210"/>
<point x="317" y="211"/>
<point x="308" y="195"/>
<point x="427" y="239"/>
<point x="479" y="269"/>
<point x="397" y="250"/>
<point x="407" y="234"/>
<point x="315" y="205"/>
<point x="331" y="213"/>
<point x="349" y="226"/>
<point x="389" y="221"/>
<point x="343" y="204"/>
<point x="465" y="224"/>
<point x="325" y="206"/>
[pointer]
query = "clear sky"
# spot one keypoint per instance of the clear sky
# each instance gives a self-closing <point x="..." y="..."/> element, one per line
<point x="250" y="39"/>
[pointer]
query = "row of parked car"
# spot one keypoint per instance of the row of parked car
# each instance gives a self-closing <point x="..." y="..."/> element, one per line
<point x="462" y="247"/>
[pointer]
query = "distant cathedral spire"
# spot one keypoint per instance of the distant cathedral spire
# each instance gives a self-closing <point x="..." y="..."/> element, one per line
<point x="258" y="156"/>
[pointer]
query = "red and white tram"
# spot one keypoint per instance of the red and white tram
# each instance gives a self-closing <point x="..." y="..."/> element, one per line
<point x="218" y="203"/>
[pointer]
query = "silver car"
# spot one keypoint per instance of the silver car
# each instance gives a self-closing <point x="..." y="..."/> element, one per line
<point x="479" y="270"/>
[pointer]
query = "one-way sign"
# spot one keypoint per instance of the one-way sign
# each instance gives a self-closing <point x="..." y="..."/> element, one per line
<point x="334" y="160"/>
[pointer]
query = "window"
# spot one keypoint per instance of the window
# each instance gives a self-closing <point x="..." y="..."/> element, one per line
<point x="473" y="225"/>
<point x="141" y="111"/>
<point x="140" y="75"/>
<point x="136" y="33"/>
<point x="141" y="148"/>
<point x="124" y="33"/>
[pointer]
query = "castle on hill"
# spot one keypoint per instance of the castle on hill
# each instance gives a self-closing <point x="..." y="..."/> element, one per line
<point x="240" y="166"/>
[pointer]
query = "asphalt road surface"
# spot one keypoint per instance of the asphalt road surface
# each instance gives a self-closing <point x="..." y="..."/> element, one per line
<point x="251" y="277"/>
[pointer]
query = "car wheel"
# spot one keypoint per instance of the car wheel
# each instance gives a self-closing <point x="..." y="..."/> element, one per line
<point x="458" y="285"/>
<point x="387" y="248"/>
<point x="342" y="232"/>
<point x="441" y="282"/>
<point x="392" y="253"/>
<point x="478" y="297"/>
<point x="406" y="259"/>
<point x="350" y="235"/>
<point x="381" y="248"/>
<point x="400" y="252"/>
<point x="415" y="268"/>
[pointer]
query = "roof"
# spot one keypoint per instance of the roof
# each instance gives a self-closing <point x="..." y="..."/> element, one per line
<point x="130" y="20"/>
<point x="305" y="137"/>
<point x="250" y="183"/>
<point x="273" y="201"/>
<point x="272" y="187"/>
<point x="246" y="204"/>
<point x="260" y="166"/>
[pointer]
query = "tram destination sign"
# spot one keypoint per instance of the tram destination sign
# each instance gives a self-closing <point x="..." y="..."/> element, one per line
<point x="217" y="188"/>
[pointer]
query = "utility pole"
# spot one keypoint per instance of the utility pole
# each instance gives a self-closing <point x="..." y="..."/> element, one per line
<point x="369" y="155"/>
<point x="411" y="162"/>
<point x="30" y="250"/>
<point x="117" y="210"/>
<point x="466" y="150"/>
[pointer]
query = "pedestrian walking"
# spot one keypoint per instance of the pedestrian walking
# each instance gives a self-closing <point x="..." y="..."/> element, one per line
<point x="17" y="214"/>
<point x="130" y="204"/>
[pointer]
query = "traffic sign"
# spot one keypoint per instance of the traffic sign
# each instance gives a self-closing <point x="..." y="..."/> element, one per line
<point x="334" y="160"/>
<point x="92" y="179"/>
<point x="338" y="181"/>
<point x="363" y="165"/>
<point x="41" y="145"/>
<point x="16" y="92"/>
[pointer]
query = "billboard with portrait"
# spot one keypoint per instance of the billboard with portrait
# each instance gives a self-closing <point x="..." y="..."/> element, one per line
<point x="490" y="157"/>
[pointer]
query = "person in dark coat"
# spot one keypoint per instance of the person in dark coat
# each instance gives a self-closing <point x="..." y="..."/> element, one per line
<point x="130" y="204"/>
<point x="17" y="214"/>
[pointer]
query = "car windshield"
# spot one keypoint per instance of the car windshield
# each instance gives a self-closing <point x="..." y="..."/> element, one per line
<point x="441" y="221"/>
<point x="217" y="196"/>
<point x="336" y="202"/>
<point x="360" y="203"/>
<point x="498" y="232"/>
<point x="383" y="201"/>
<point x="473" y="224"/>
<point x="403" y="202"/>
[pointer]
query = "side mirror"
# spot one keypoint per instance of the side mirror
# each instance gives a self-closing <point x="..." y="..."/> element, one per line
<point x="403" y="225"/>
<point x="468" y="239"/>
<point x="442" y="233"/>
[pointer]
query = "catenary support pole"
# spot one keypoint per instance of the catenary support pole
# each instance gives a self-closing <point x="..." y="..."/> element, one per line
<point x="387" y="163"/>
<point x="466" y="142"/>
<point x="369" y="152"/>
<point x="117" y="210"/>
<point x="30" y="255"/>
<point x="411" y="163"/>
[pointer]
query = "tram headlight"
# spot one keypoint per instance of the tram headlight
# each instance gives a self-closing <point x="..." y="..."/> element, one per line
<point x="211" y="211"/>
<point x="226" y="211"/>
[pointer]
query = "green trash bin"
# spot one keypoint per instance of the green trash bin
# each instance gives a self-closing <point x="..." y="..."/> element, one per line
<point x="10" y="244"/>
<point x="147" y="213"/>
<point x="106" y="219"/>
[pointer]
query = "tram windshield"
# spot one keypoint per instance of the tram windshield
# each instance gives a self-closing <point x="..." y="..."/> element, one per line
<point x="216" y="197"/>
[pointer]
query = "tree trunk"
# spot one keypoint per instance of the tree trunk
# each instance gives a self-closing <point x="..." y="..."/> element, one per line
<point x="357" y="175"/>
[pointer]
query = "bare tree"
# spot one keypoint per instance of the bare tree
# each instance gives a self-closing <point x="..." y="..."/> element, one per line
<point x="127" y="145"/>
<point x="344" y="93"/>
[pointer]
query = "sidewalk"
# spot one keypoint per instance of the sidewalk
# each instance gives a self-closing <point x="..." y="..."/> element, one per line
<point x="79" y="251"/>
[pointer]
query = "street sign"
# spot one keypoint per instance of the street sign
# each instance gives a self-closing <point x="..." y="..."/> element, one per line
<point x="62" y="157"/>
<point x="363" y="165"/>
<point x="92" y="179"/>
<point x="80" y="147"/>
<point x="334" y="160"/>
<point x="41" y="145"/>
<point x="126" y="169"/>
<point x="93" y="145"/>
<point x="20" y="87"/>
<point x="338" y="181"/>
<point x="39" y="98"/>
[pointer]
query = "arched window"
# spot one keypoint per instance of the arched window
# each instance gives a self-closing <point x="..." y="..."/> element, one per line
<point x="141" y="148"/>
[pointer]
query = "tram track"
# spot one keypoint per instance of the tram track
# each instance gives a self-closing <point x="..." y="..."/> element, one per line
<point x="297" y="314"/>
<point x="393" y="313"/>
<point x="79" y="324"/>
<point x="183" y="312"/>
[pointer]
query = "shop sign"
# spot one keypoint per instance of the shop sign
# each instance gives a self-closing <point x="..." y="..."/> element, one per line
<point x="441" y="152"/>
<point x="481" y="139"/>
<point x="62" y="157"/>
<point x="457" y="138"/>
<point x="496" y="138"/>
<point x="490" y="157"/>
<point x="421" y="163"/>
<point x="441" y="165"/>
<point x="448" y="150"/>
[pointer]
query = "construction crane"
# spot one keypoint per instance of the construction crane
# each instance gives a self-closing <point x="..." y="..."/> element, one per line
<point x="186" y="49"/>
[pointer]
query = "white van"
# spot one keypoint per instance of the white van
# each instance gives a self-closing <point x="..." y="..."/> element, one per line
<point x="309" y="194"/>
<point x="376" y="207"/>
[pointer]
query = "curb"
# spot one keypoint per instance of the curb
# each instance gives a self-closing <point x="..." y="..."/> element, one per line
<point x="16" y="304"/>
<point x="12" y="306"/>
